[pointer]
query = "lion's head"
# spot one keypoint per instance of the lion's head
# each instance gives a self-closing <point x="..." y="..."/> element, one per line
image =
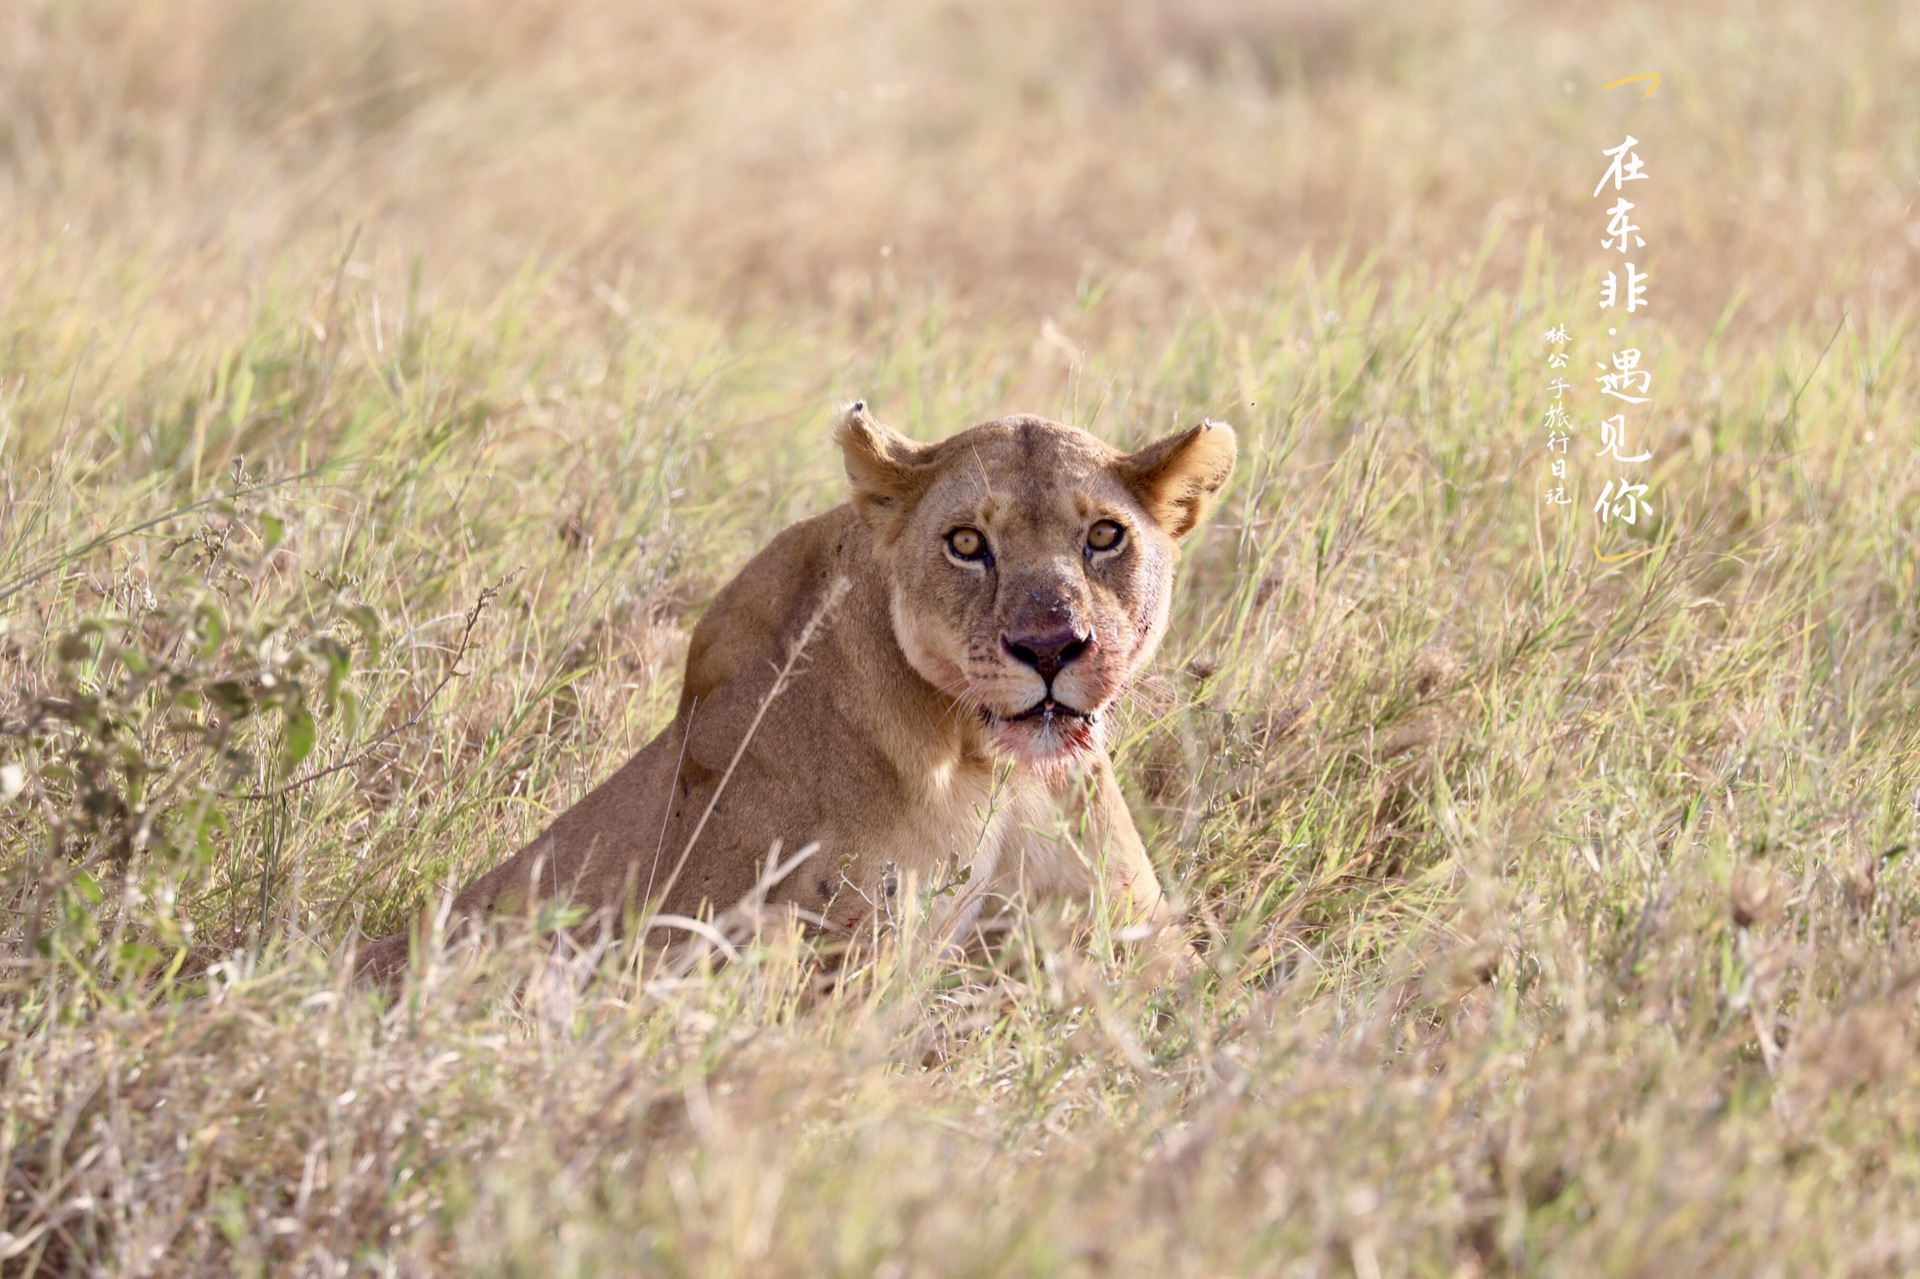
<point x="1029" y="564"/>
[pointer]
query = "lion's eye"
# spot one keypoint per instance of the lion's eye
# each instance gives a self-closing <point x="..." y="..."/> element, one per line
<point x="1104" y="535"/>
<point x="967" y="544"/>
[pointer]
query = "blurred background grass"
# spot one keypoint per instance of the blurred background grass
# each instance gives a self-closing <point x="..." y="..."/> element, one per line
<point x="1556" y="914"/>
<point x="841" y="159"/>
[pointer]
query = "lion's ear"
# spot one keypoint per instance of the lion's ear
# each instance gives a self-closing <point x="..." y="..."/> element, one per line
<point x="1176" y="478"/>
<point x="886" y="470"/>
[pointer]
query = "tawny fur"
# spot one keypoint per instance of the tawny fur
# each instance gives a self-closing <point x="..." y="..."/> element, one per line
<point x="897" y="743"/>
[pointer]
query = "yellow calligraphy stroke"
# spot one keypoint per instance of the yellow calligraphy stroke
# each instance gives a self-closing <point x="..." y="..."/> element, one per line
<point x="1615" y="559"/>
<point x="1645" y="75"/>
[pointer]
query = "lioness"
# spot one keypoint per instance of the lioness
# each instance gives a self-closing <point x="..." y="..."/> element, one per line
<point x="916" y="682"/>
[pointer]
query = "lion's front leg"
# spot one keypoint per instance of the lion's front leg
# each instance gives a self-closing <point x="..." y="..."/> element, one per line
<point x="1091" y="851"/>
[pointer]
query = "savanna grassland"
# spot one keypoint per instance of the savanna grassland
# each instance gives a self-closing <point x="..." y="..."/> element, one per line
<point x="385" y="388"/>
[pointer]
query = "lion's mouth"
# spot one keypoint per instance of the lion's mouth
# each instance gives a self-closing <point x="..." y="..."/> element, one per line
<point x="1044" y="709"/>
<point x="1047" y="734"/>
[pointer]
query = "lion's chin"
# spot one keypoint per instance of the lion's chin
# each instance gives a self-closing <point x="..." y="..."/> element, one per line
<point x="1048" y="737"/>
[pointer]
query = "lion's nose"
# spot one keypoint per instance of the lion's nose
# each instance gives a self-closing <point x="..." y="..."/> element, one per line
<point x="1048" y="652"/>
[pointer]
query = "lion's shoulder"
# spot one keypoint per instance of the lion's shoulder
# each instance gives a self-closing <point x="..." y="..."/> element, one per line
<point x="758" y="614"/>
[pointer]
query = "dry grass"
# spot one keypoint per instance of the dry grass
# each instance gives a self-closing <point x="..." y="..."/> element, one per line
<point x="1558" y="915"/>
